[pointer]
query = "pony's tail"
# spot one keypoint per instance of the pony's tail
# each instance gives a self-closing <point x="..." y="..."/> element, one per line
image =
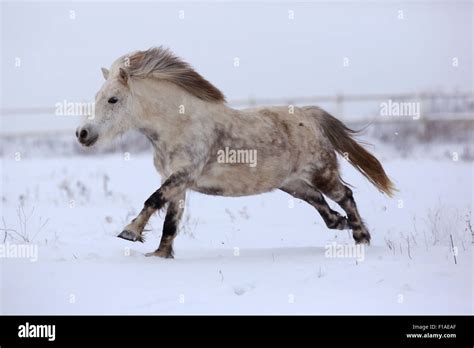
<point x="341" y="138"/>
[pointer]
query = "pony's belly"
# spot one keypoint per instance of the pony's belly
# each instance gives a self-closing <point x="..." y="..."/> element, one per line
<point x="238" y="180"/>
<point x="235" y="190"/>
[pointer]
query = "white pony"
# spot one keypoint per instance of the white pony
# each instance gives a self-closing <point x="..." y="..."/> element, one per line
<point x="190" y="126"/>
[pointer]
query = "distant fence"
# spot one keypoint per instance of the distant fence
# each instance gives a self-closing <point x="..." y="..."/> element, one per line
<point x="432" y="103"/>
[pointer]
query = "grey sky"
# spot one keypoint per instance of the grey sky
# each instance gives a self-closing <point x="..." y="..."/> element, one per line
<point x="279" y="57"/>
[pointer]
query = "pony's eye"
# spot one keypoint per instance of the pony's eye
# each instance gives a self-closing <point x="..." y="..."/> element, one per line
<point x="113" y="100"/>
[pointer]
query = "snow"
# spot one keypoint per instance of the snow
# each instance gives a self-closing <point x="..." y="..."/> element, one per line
<point x="260" y="254"/>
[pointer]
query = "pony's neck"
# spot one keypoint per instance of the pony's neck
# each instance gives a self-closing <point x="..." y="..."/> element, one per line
<point x="162" y="102"/>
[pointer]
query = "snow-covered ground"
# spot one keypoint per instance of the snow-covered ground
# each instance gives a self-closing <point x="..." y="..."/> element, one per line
<point x="260" y="254"/>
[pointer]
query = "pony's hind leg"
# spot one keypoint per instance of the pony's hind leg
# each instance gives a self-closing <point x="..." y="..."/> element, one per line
<point x="174" y="213"/>
<point x="330" y="184"/>
<point x="301" y="190"/>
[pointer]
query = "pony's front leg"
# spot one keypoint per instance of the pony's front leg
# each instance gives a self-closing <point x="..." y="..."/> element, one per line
<point x="173" y="187"/>
<point x="134" y="230"/>
<point x="170" y="227"/>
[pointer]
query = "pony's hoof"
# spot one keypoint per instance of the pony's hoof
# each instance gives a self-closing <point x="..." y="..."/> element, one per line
<point x="361" y="236"/>
<point x="364" y="241"/>
<point x="131" y="236"/>
<point x="161" y="253"/>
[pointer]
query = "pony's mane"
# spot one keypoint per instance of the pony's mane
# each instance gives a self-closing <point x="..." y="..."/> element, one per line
<point x="161" y="63"/>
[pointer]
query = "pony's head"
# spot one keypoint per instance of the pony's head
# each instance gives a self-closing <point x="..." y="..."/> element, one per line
<point x="115" y="109"/>
<point x="112" y="114"/>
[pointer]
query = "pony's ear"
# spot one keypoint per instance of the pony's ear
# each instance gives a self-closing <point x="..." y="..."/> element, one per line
<point x="123" y="75"/>
<point x="105" y="72"/>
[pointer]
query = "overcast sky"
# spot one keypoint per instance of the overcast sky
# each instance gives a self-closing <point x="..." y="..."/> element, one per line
<point x="61" y="52"/>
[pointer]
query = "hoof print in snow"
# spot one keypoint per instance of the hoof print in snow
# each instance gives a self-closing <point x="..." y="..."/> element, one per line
<point x="131" y="236"/>
<point x="239" y="290"/>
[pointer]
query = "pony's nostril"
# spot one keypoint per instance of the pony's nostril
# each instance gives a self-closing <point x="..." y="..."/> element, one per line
<point x="83" y="134"/>
<point x="77" y="134"/>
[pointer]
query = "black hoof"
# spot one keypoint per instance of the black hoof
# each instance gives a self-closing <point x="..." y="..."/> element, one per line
<point x="361" y="238"/>
<point x="131" y="236"/>
<point x="160" y="253"/>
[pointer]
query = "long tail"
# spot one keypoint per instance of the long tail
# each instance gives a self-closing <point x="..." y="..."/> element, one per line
<point x="341" y="137"/>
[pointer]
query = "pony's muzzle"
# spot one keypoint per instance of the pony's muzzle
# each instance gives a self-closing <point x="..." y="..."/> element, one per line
<point x="86" y="136"/>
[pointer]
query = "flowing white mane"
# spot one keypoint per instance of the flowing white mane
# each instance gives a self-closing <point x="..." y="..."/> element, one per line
<point x="161" y="63"/>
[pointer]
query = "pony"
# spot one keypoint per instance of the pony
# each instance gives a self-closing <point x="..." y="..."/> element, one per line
<point x="202" y="144"/>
